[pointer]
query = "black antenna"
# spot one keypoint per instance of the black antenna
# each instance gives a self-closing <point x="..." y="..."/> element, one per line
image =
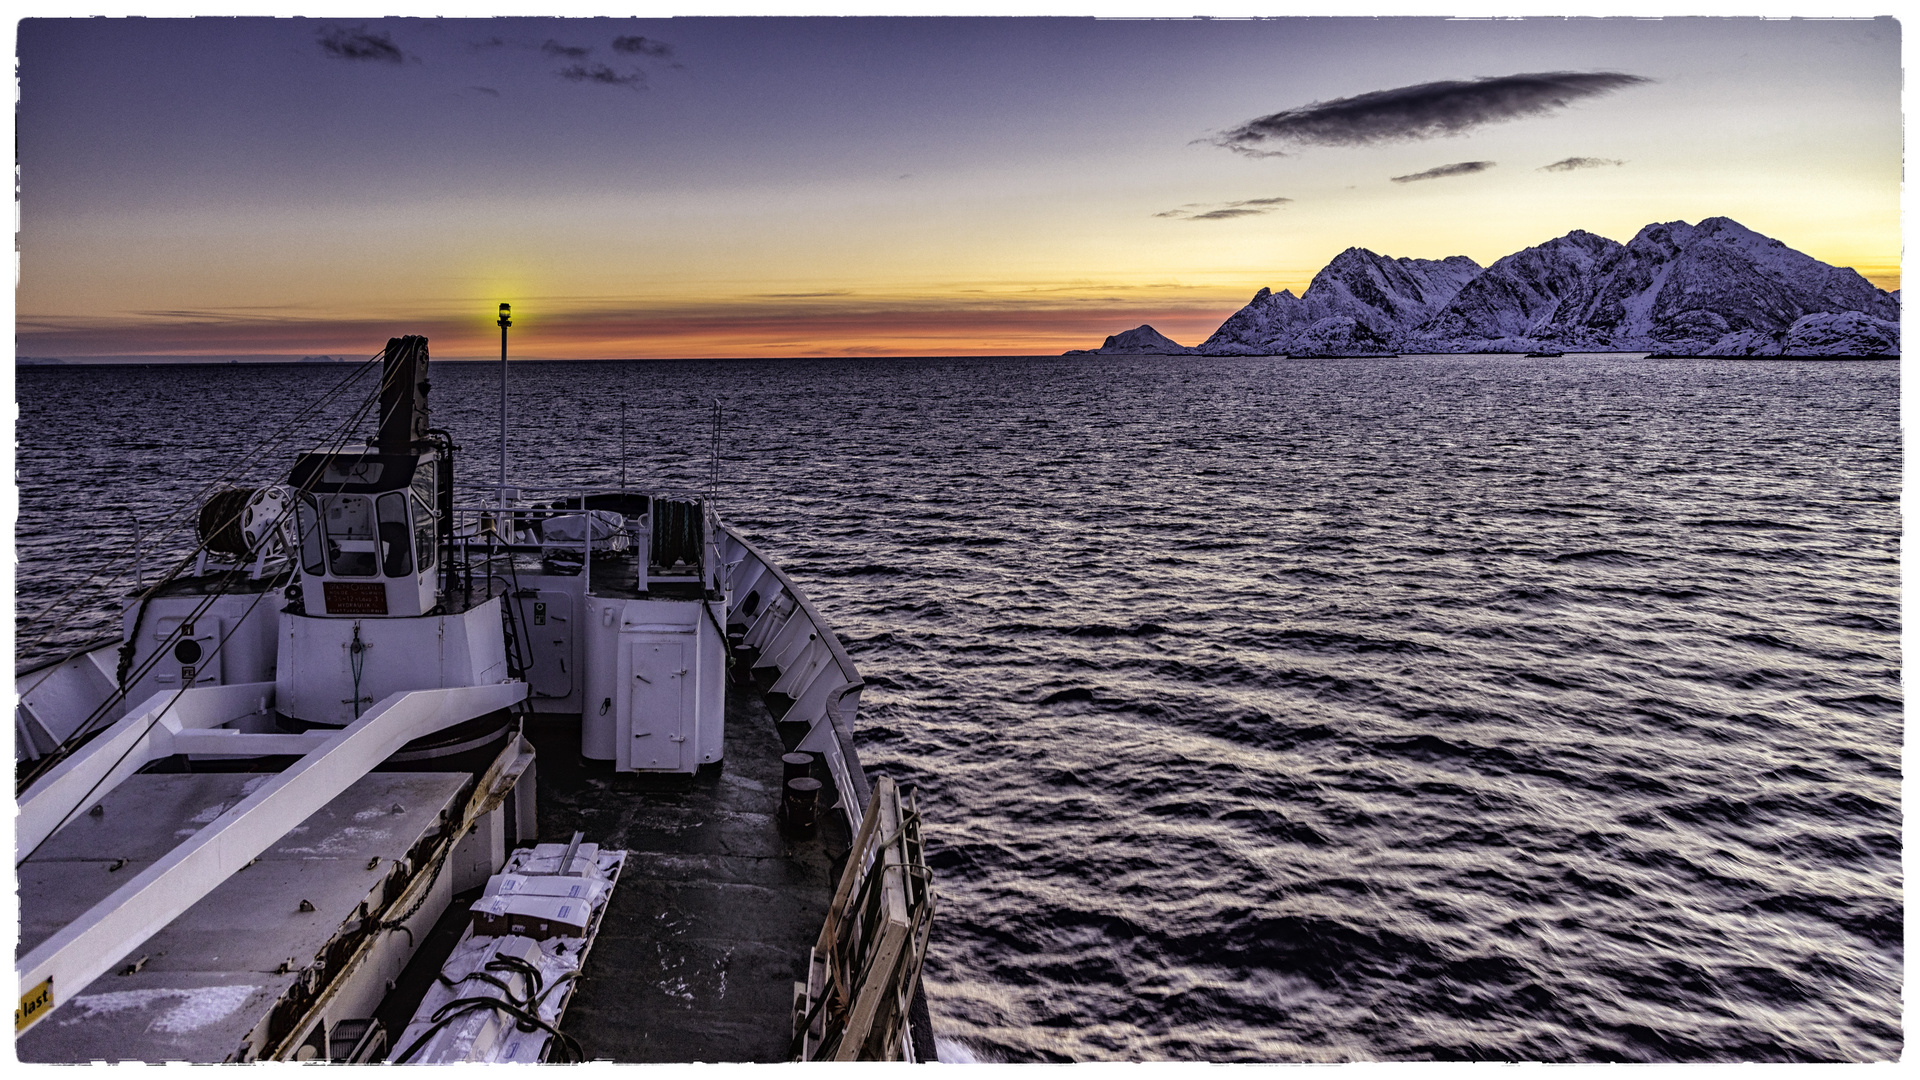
<point x="623" y="446"/>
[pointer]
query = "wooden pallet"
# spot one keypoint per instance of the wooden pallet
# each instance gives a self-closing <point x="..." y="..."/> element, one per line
<point x="862" y="972"/>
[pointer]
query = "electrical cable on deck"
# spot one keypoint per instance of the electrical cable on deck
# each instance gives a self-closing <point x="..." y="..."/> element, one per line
<point x="442" y="1017"/>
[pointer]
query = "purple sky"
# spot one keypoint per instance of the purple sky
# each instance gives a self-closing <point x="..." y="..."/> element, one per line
<point x="766" y="186"/>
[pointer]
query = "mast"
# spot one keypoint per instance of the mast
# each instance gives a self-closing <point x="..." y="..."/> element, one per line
<point x="506" y="320"/>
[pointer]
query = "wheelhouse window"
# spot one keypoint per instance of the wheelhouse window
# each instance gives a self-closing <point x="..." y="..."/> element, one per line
<point x="313" y="546"/>
<point x="396" y="535"/>
<point x="424" y="540"/>
<point x="350" y="538"/>
<point x="352" y="471"/>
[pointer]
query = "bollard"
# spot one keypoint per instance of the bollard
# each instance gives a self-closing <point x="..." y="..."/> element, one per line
<point x="802" y="793"/>
<point x="798" y="765"/>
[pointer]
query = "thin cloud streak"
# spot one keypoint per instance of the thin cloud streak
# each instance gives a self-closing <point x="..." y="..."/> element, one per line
<point x="1458" y="168"/>
<point x="1572" y="163"/>
<point x="1225" y="211"/>
<point x="603" y="75"/>
<point x="359" y="44"/>
<point x="642" y="46"/>
<point x="1423" y="111"/>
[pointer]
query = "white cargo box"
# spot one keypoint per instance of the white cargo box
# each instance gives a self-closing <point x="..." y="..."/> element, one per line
<point x="588" y="890"/>
<point x="536" y="917"/>
<point x="546" y="858"/>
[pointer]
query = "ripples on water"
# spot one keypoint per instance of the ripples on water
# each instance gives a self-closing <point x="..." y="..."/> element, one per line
<point x="1278" y="710"/>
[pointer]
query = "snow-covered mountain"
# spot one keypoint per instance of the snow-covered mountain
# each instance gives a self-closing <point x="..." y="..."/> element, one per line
<point x="1140" y="339"/>
<point x="1517" y="303"/>
<point x="1841" y="333"/>
<point x="1688" y="288"/>
<point x="1716" y="288"/>
<point x="1360" y="303"/>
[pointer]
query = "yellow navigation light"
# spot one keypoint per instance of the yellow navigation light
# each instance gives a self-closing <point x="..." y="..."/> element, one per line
<point x="506" y="315"/>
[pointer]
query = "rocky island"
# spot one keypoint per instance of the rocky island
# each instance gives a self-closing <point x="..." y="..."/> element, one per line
<point x="1140" y="340"/>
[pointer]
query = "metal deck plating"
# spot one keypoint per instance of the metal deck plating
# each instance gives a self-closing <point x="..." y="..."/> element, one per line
<point x="204" y="988"/>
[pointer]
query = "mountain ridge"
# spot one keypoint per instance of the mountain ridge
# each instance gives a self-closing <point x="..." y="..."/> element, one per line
<point x="1716" y="288"/>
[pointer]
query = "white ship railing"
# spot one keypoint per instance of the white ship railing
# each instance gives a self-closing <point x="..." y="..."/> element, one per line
<point x="815" y="671"/>
<point x="55" y="696"/>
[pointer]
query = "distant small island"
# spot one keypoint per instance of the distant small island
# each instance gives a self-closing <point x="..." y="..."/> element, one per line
<point x="1712" y="289"/>
<point x="1139" y="340"/>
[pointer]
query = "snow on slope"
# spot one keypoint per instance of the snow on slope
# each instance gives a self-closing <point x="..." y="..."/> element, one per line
<point x="1716" y="288"/>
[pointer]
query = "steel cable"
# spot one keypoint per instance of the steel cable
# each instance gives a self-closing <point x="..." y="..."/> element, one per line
<point x="87" y="727"/>
<point x="160" y="531"/>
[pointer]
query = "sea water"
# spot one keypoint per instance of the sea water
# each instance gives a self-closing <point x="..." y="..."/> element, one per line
<point x="1261" y="709"/>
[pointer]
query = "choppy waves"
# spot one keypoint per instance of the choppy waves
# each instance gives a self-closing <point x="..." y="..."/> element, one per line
<point x="1274" y="710"/>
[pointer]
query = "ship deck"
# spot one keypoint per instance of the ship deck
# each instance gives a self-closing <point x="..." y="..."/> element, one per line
<point x="710" y="925"/>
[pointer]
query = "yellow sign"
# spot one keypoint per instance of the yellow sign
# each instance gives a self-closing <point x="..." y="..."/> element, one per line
<point x="34" y="1002"/>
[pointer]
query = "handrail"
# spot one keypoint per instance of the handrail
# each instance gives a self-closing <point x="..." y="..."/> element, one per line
<point x="838" y="725"/>
<point x="43" y="664"/>
<point x="838" y="651"/>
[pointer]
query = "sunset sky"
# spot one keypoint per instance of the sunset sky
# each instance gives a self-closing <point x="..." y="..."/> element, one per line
<point x="761" y="187"/>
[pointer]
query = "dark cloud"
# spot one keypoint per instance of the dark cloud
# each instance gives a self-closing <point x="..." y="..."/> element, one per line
<point x="490" y="43"/>
<point x="1572" y="163"/>
<point x="358" y="44"/>
<point x="1458" y="168"/>
<point x="1421" y="112"/>
<point x="487" y="90"/>
<point x="642" y="46"/>
<point x="604" y="75"/>
<point x="1225" y="211"/>
<point x="571" y="52"/>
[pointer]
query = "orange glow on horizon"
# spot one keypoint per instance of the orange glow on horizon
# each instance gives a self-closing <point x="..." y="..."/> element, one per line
<point x="970" y="319"/>
<point x="992" y="330"/>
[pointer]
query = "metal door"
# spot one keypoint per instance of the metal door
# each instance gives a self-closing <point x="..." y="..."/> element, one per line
<point x="657" y="703"/>
<point x="193" y="658"/>
<point x="548" y="626"/>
